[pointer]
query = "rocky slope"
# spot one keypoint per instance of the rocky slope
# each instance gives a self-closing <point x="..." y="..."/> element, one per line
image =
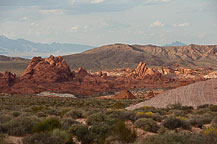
<point x="194" y="95"/>
<point x="123" y="56"/>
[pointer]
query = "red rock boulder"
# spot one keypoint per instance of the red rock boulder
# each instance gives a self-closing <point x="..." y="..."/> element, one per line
<point x="125" y="94"/>
<point x="52" y="69"/>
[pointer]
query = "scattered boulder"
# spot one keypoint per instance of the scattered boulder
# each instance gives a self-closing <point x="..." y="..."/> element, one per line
<point x="52" y="69"/>
<point x="124" y="94"/>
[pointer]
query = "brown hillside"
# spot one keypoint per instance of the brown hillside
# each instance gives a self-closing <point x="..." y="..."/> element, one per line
<point x="123" y="55"/>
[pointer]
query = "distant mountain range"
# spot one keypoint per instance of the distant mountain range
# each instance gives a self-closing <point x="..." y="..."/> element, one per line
<point x="124" y="55"/>
<point x="177" y="43"/>
<point x="28" y="49"/>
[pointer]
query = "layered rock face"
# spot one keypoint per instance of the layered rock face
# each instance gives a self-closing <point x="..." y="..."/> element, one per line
<point x="124" y="94"/>
<point x="143" y="72"/>
<point x="52" y="69"/>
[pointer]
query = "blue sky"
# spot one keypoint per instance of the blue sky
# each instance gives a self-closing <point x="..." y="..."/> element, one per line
<point x="100" y="22"/>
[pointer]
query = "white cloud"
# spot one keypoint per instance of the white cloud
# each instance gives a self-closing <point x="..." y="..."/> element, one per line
<point x="186" y="24"/>
<point x="97" y="1"/>
<point x="157" y="24"/>
<point x="52" y="11"/>
<point x="74" y="29"/>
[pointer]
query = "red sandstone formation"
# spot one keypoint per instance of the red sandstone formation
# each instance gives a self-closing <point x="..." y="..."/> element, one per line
<point x="80" y="73"/>
<point x="53" y="74"/>
<point x="125" y="94"/>
<point x="48" y="70"/>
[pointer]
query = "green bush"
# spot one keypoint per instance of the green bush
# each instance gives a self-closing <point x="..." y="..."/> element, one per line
<point x="43" y="138"/>
<point x="16" y="114"/>
<point x="175" y="138"/>
<point x="67" y="123"/>
<point x="47" y="125"/>
<point x="75" y="114"/>
<point x="20" y="126"/>
<point x="5" y="118"/>
<point x="82" y="133"/>
<point x="200" y="120"/>
<point x="213" y="108"/>
<point x="173" y="123"/>
<point x="65" y="136"/>
<point x="96" y="118"/>
<point x="100" y="132"/>
<point x="147" y="124"/>
<point x="122" y="133"/>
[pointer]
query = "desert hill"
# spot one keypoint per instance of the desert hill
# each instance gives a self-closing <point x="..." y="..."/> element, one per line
<point x="123" y="56"/>
<point x="194" y="95"/>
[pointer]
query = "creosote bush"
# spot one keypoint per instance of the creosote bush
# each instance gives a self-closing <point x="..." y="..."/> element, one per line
<point x="173" y="123"/>
<point x="147" y="124"/>
<point x="122" y="133"/>
<point x="47" y="125"/>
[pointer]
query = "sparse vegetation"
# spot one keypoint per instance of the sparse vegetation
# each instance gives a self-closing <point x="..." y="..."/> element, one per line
<point x="94" y="121"/>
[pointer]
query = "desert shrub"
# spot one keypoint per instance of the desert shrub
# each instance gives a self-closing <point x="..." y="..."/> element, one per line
<point x="200" y="120"/>
<point x="176" y="112"/>
<point x="214" y="120"/>
<point x="47" y="125"/>
<point x="118" y="105"/>
<point x="16" y="114"/>
<point x="147" y="124"/>
<point x="41" y="114"/>
<point x="96" y="118"/>
<point x="51" y="112"/>
<point x="213" y="108"/>
<point x="202" y="111"/>
<point x="5" y="118"/>
<point x="67" y="123"/>
<point x="2" y="139"/>
<point x="173" y="123"/>
<point x="20" y="126"/>
<point x="65" y="136"/>
<point x="100" y="132"/>
<point x="203" y="106"/>
<point x="75" y="114"/>
<point x="43" y="138"/>
<point x="122" y="133"/>
<point x="162" y="130"/>
<point x="82" y="133"/>
<point x="120" y="114"/>
<point x="175" y="138"/>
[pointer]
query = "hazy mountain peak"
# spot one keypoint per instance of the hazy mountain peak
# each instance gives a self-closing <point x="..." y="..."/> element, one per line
<point x="176" y="43"/>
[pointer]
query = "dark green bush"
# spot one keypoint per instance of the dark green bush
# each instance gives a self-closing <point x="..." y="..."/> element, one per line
<point x="16" y="114"/>
<point x="147" y="124"/>
<point x="96" y="118"/>
<point x="47" y="125"/>
<point x="173" y="123"/>
<point x="75" y="114"/>
<point x="100" y="132"/>
<point x="67" y="123"/>
<point x="122" y="133"/>
<point x="82" y="133"/>
<point x="213" y="108"/>
<point x="5" y="118"/>
<point x="200" y="120"/>
<point x="175" y="138"/>
<point x="43" y="138"/>
<point x="20" y="126"/>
